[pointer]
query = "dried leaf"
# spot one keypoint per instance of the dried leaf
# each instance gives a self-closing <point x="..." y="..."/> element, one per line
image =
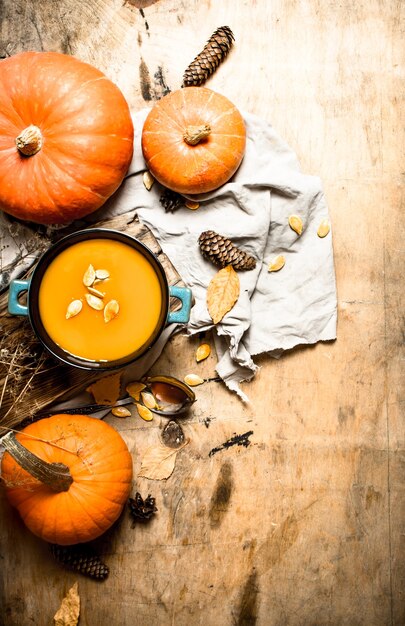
<point x="102" y="274"/>
<point x="69" y="611"/>
<point x="296" y="224"/>
<point x="89" y="276"/>
<point x="106" y="390"/>
<point x="222" y="293"/>
<point x="277" y="263"/>
<point x="134" y="389"/>
<point x="120" y="411"/>
<point x="111" y="310"/>
<point x="94" y="302"/>
<point x="158" y="462"/>
<point x="323" y="229"/>
<point x="193" y="380"/>
<point x="192" y="205"/>
<point x="148" y="180"/>
<point x="203" y="351"/>
<point x="149" y="400"/>
<point x="74" y="308"/>
<point x="144" y="412"/>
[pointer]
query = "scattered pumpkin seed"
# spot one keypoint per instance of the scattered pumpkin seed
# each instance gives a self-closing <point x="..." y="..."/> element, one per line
<point x="148" y="180"/>
<point x="190" y="204"/>
<point x="96" y="292"/>
<point x="144" y="412"/>
<point x="120" y="411"/>
<point x="296" y="224"/>
<point x="111" y="310"/>
<point x="203" y="351"/>
<point x="102" y="274"/>
<point x="323" y="228"/>
<point x="148" y="400"/>
<point x="89" y="276"/>
<point x="94" y="302"/>
<point x="277" y="263"/>
<point x="74" y="308"/>
<point x="193" y="380"/>
<point x="134" y="389"/>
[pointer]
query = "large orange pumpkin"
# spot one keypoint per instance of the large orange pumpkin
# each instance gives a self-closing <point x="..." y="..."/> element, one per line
<point x="73" y="491"/>
<point x="193" y="140"/>
<point x="66" y="137"/>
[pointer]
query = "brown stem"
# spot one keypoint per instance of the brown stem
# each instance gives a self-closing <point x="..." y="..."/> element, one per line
<point x="29" y="141"/>
<point x="56" y="475"/>
<point x="194" y="134"/>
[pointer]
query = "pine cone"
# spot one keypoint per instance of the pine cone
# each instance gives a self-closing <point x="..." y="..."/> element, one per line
<point x="221" y="251"/>
<point x="205" y="63"/>
<point x="142" y="510"/>
<point x="82" y="559"/>
<point x="171" y="200"/>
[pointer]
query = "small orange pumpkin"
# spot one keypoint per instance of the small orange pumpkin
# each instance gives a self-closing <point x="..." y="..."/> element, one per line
<point x="66" y="137"/>
<point x="74" y="490"/>
<point x="193" y="140"/>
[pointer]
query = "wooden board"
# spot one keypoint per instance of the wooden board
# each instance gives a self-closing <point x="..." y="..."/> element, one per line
<point x="304" y="526"/>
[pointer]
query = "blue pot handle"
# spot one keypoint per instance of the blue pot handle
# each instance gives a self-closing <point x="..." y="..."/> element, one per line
<point x="183" y="315"/>
<point x="16" y="287"/>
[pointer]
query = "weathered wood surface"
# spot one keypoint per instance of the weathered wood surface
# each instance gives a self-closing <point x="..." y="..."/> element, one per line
<point x="305" y="526"/>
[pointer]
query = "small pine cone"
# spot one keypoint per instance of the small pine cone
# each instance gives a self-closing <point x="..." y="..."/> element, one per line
<point x="205" y="63"/>
<point x="221" y="251"/>
<point x="140" y="509"/>
<point x="81" y="559"/>
<point x="171" y="200"/>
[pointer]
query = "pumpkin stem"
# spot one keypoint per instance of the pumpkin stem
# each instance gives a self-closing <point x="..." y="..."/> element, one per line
<point x="194" y="134"/>
<point x="56" y="475"/>
<point x="29" y="141"/>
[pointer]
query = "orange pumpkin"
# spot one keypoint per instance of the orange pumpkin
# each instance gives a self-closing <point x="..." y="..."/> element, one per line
<point x="193" y="140"/>
<point x="66" y="137"/>
<point x="73" y="491"/>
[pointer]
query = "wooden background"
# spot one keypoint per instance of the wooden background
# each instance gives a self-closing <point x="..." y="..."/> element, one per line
<point x="305" y="526"/>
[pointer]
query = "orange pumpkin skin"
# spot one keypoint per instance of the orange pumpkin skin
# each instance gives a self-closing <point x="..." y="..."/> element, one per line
<point x="87" y="137"/>
<point x="100" y="465"/>
<point x="193" y="169"/>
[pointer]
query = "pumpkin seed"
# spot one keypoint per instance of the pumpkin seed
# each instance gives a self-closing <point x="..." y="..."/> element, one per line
<point x="74" y="308"/>
<point x="193" y="380"/>
<point x="148" y="400"/>
<point x="134" y="389"/>
<point x="148" y="180"/>
<point x="120" y="411"/>
<point x="323" y="228"/>
<point x="192" y="205"/>
<point x="96" y="292"/>
<point x="203" y="351"/>
<point x="111" y="310"/>
<point x="94" y="302"/>
<point x="277" y="263"/>
<point x="144" y="412"/>
<point x="89" y="276"/>
<point x="296" y="224"/>
<point x="102" y="274"/>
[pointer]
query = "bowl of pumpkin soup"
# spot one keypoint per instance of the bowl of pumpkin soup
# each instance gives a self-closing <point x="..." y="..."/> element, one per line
<point x="98" y="299"/>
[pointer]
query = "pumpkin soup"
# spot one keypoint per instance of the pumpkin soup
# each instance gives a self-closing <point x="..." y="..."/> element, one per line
<point x="100" y="300"/>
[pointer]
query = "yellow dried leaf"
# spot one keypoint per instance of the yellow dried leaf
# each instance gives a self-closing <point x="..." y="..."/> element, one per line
<point x="74" y="308"/>
<point x="148" y="400"/>
<point x="94" y="302"/>
<point x="203" y="351"/>
<point x="192" y="205"/>
<point x="277" y="263"/>
<point x="106" y="390"/>
<point x="89" y="276"/>
<point x="144" y="412"/>
<point x="323" y="229"/>
<point x="120" y="411"/>
<point x="296" y="224"/>
<point x="222" y="293"/>
<point x="148" y="180"/>
<point x="69" y="611"/>
<point x="193" y="380"/>
<point x="134" y="389"/>
<point x="158" y="462"/>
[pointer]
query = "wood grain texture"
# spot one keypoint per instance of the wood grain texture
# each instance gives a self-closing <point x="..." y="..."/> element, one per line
<point x="305" y="525"/>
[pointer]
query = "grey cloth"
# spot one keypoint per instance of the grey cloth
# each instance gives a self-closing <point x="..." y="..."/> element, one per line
<point x="275" y="311"/>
